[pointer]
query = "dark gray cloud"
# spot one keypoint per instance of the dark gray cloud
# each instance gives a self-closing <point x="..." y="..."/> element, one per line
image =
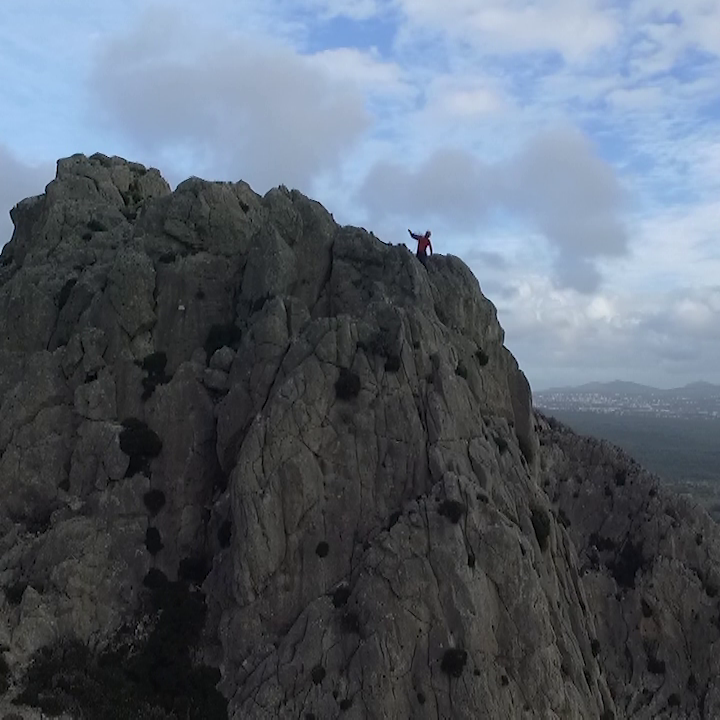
<point x="450" y="185"/>
<point x="18" y="181"/>
<point x="236" y="107"/>
<point x="556" y="184"/>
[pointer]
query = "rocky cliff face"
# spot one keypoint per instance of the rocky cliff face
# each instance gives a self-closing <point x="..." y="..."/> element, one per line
<point x="257" y="465"/>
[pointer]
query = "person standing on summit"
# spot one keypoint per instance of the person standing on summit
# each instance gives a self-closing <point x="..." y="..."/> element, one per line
<point x="424" y="243"/>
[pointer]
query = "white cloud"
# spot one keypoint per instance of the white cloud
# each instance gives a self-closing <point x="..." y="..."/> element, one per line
<point x="573" y="28"/>
<point x="641" y="98"/>
<point x="237" y="106"/>
<point x="560" y="337"/>
<point x="453" y="99"/>
<point x="363" y="69"/>
<point x="353" y="9"/>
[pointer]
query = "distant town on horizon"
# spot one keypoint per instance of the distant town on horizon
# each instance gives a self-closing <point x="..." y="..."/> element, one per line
<point x="697" y="399"/>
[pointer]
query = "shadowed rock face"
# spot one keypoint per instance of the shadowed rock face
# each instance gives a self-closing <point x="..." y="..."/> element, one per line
<point x="232" y="396"/>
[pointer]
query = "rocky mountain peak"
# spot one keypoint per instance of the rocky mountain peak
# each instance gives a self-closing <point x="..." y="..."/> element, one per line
<point x="258" y="465"/>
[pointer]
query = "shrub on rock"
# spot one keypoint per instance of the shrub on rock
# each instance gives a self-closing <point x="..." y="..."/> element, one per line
<point x="453" y="662"/>
<point x="347" y="385"/>
<point x="140" y="443"/>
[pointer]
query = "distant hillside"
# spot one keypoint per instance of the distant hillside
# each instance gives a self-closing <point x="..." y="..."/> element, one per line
<point x="684" y="452"/>
<point x="622" y="387"/>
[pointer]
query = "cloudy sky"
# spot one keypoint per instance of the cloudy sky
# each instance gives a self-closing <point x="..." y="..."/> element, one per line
<point x="567" y="150"/>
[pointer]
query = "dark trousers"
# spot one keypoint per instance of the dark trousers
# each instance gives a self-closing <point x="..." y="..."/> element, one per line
<point x="422" y="257"/>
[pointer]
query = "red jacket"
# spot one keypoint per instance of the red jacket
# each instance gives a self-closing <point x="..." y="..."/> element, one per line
<point x="423" y="242"/>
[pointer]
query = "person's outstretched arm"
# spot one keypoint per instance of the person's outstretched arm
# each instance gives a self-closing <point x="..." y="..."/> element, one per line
<point x="413" y="235"/>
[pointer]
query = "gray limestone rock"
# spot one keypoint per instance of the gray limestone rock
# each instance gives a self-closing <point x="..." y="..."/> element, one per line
<point x="222" y="359"/>
<point x="96" y="400"/>
<point x="230" y="396"/>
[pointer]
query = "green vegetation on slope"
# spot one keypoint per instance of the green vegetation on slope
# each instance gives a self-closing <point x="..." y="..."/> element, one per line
<point x="685" y="452"/>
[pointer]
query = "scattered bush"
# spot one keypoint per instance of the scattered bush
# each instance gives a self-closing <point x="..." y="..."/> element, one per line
<point x="163" y="670"/>
<point x="453" y="662"/>
<point x="39" y="522"/>
<point x="620" y="477"/>
<point x="471" y="560"/>
<point x="646" y="608"/>
<point x="167" y="258"/>
<point x="87" y="236"/>
<point x="199" y="294"/>
<point x="322" y="549"/>
<point x="14" y="592"/>
<point x="318" y="674"/>
<point x="393" y="519"/>
<point x="482" y="357"/>
<point x="504" y="680"/>
<point x="340" y="596"/>
<point x="452" y="510"/>
<point x="674" y="700"/>
<point x="421" y="698"/>
<point x="154" y="365"/>
<point x="221" y="336"/>
<point x="627" y="563"/>
<point x="155" y="579"/>
<point x="140" y="443"/>
<point x="96" y="225"/>
<point x="540" y="519"/>
<point x="563" y="518"/>
<point x="595" y="647"/>
<point x="65" y="291"/>
<point x="4" y="675"/>
<point x="346" y="704"/>
<point x="692" y="683"/>
<point x="153" y="541"/>
<point x="655" y="666"/>
<point x="194" y="569"/>
<point x="154" y="501"/>
<point x="347" y="385"/>
<point x="461" y="371"/>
